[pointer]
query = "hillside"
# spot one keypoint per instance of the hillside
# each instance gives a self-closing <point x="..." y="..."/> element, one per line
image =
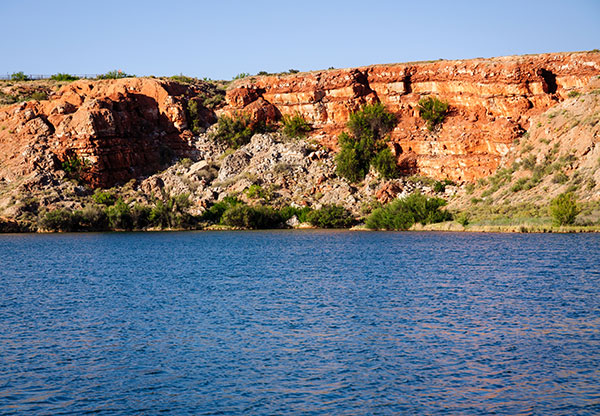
<point x="518" y="132"/>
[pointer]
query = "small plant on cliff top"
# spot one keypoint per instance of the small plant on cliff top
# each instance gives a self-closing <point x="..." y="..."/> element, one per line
<point x="63" y="77"/>
<point x="433" y="111"/>
<point x="114" y="74"/>
<point x="19" y="76"/>
<point x="241" y="75"/>
<point x="368" y="128"/>
<point x="295" y="126"/>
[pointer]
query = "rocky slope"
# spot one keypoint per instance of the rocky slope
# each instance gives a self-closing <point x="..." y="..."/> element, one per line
<point x="120" y="129"/>
<point x="143" y="136"/>
<point x="560" y="153"/>
<point x="491" y="103"/>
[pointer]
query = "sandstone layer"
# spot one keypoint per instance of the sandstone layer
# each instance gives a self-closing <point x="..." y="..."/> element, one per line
<point x="491" y="104"/>
<point x="120" y="129"/>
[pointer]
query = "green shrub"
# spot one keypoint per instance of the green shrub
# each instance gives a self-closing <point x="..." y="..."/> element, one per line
<point x="59" y="220"/>
<point x="330" y="216"/>
<point x="256" y="192"/>
<point x="38" y="96"/>
<point x="73" y="166"/>
<point x="433" y="111"/>
<point x="440" y="186"/>
<point x="256" y="217"/>
<point x="301" y="213"/>
<point x="215" y="212"/>
<point x="241" y="75"/>
<point x="183" y="79"/>
<point x="295" y="126"/>
<point x="463" y="218"/>
<point x="170" y="212"/>
<point x="564" y="209"/>
<point x="384" y="163"/>
<point x="365" y="140"/>
<point x="401" y="214"/>
<point x="119" y="216"/>
<point x="194" y="116"/>
<point x="63" y="77"/>
<point x="107" y="198"/>
<point x="560" y="177"/>
<point x="93" y="218"/>
<point x="19" y="76"/>
<point x="237" y="130"/>
<point x="140" y="216"/>
<point x="114" y="74"/>
<point x="214" y="100"/>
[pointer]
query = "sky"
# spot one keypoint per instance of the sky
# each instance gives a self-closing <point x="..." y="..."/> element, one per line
<point x="219" y="39"/>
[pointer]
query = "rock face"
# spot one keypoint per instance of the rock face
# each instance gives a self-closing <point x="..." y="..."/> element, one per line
<point x="491" y="103"/>
<point x="120" y="129"/>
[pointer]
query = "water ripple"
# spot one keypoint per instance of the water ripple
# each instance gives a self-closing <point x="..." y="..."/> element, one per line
<point x="290" y="322"/>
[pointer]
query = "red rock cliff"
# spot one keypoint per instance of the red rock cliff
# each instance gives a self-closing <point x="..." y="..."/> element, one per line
<point x="491" y="102"/>
<point x="121" y="128"/>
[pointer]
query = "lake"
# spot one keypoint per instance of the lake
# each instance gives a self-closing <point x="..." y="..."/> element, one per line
<point x="300" y="322"/>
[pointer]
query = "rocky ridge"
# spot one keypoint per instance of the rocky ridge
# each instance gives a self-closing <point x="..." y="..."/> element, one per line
<point x="491" y="104"/>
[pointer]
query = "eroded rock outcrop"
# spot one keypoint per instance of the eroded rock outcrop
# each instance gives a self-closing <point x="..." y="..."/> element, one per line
<point x="120" y="129"/>
<point x="491" y="103"/>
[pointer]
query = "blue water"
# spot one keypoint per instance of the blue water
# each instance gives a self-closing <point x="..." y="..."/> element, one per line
<point x="300" y="322"/>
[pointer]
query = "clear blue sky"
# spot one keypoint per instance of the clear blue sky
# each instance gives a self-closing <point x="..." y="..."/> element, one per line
<point x="219" y="39"/>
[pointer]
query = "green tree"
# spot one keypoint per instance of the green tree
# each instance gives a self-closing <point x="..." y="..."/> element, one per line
<point x="363" y="145"/>
<point x="433" y="111"/>
<point x="564" y="209"/>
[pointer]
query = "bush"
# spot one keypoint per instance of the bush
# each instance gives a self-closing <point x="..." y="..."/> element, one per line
<point x="107" y="198"/>
<point x="39" y="96"/>
<point x="19" y="76"/>
<point x="433" y="111"/>
<point x="401" y="214"/>
<point x="140" y="216"/>
<point x="257" y="217"/>
<point x="93" y="218"/>
<point x="183" y="79"/>
<point x="241" y="75"/>
<point x="59" y="220"/>
<point x="194" y="116"/>
<point x="63" y="77"/>
<point x="215" y="212"/>
<point x="256" y="192"/>
<point x="564" y="209"/>
<point x="170" y="212"/>
<point x="560" y="177"/>
<point x="295" y="126"/>
<point x="119" y="216"/>
<point x="114" y="74"/>
<point x="74" y="166"/>
<point x="330" y="216"/>
<point x="366" y="139"/>
<point x="301" y="213"/>
<point x="440" y="186"/>
<point x="235" y="131"/>
<point x="384" y="163"/>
